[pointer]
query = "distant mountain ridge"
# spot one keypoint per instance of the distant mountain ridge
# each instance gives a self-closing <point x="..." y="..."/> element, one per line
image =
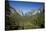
<point x="29" y="13"/>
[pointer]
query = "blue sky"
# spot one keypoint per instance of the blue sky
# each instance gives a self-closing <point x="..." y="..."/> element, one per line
<point x="25" y="6"/>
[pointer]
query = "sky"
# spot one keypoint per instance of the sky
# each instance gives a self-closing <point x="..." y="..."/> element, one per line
<point x="25" y="6"/>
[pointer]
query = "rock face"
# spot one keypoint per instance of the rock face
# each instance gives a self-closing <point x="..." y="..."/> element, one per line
<point x="19" y="11"/>
<point x="30" y="13"/>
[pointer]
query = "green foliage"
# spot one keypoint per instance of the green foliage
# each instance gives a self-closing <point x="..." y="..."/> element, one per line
<point x="25" y="21"/>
